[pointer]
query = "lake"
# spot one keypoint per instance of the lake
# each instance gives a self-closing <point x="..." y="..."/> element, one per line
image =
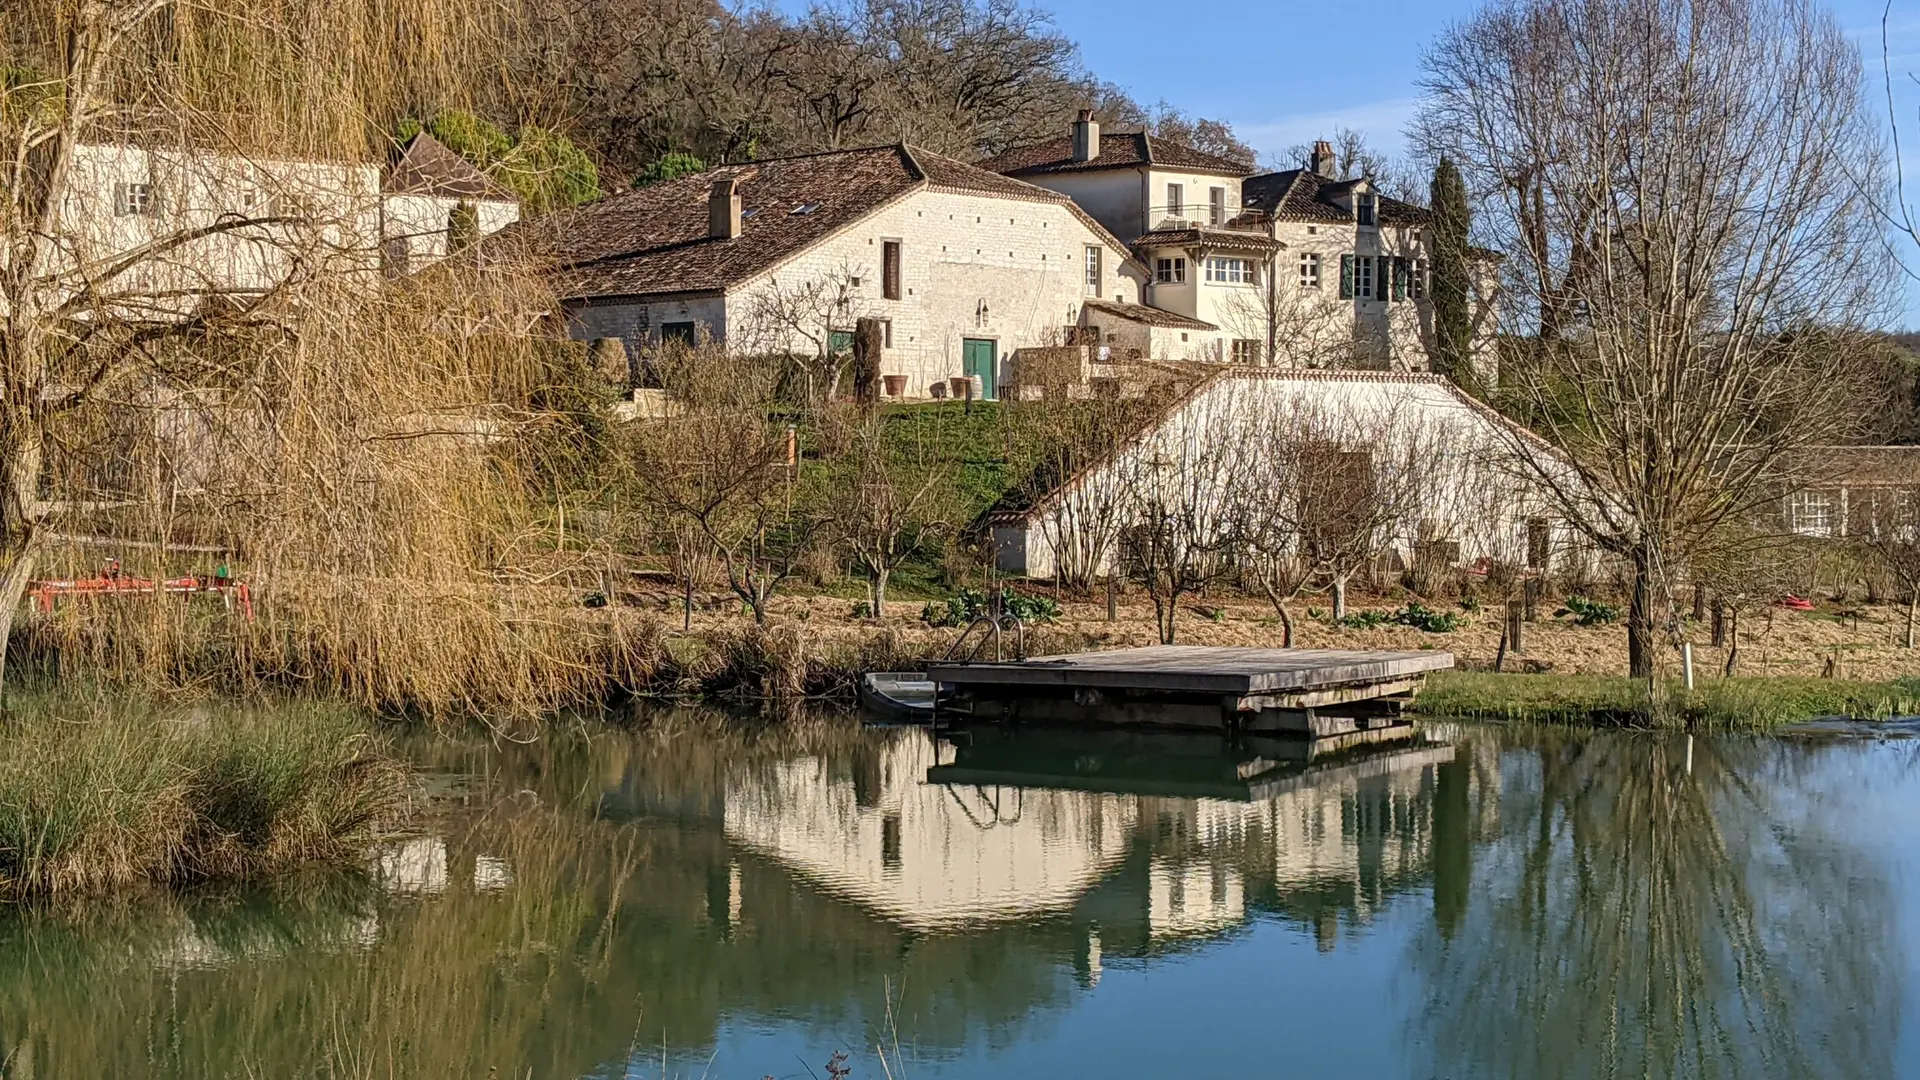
<point x="700" y="897"/>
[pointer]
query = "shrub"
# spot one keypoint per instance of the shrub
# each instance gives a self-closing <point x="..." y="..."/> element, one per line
<point x="971" y="604"/>
<point x="1587" y="612"/>
<point x="1416" y="615"/>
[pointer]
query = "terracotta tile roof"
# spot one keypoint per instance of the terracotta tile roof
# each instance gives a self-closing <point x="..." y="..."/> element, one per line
<point x="1302" y="195"/>
<point x="1118" y="150"/>
<point x="654" y="240"/>
<point x="1149" y="316"/>
<point x="425" y="166"/>
<point x="1860" y="466"/>
<point x="1227" y="238"/>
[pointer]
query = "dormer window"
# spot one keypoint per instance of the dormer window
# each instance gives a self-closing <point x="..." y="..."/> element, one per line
<point x="1366" y="208"/>
<point x="804" y="209"/>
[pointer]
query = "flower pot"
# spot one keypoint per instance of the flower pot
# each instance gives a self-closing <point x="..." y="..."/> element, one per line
<point x="896" y="385"/>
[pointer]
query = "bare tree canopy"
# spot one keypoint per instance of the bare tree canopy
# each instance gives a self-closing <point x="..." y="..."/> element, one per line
<point x="1677" y="187"/>
<point x="960" y="77"/>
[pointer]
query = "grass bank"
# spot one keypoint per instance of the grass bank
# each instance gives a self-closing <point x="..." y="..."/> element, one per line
<point x="98" y="794"/>
<point x="1737" y="704"/>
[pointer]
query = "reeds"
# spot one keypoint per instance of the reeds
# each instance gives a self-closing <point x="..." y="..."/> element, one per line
<point x="100" y="794"/>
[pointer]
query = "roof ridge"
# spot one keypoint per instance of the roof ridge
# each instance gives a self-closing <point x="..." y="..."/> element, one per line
<point x="913" y="162"/>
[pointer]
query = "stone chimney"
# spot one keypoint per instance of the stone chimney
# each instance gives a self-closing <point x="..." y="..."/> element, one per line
<point x="1086" y="136"/>
<point x="1321" y="162"/>
<point x="723" y="210"/>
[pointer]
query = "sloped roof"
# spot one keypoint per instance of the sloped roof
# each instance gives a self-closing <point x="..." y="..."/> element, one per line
<point x="425" y="166"/>
<point x="1304" y="195"/>
<point x="1147" y="316"/>
<point x="1205" y="236"/>
<point x="1118" y="150"/>
<point x="1020" y="504"/>
<point x="1860" y="466"/>
<point x="654" y="239"/>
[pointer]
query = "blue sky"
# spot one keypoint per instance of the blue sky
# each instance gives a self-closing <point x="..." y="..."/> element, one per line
<point x="1287" y="72"/>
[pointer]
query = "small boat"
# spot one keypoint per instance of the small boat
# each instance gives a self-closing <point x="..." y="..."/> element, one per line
<point x="899" y="695"/>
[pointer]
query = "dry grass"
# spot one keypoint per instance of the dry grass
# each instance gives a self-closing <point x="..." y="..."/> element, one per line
<point x="99" y="794"/>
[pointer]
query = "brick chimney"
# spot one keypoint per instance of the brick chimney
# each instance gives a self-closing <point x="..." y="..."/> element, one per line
<point x="1321" y="162"/>
<point x="723" y="210"/>
<point x="1086" y="136"/>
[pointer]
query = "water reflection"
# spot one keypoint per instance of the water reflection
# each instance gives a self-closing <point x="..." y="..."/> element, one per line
<point x="1548" y="906"/>
<point x="1653" y="909"/>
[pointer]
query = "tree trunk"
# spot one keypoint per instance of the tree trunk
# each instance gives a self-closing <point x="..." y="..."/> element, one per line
<point x="1339" y="599"/>
<point x="880" y="594"/>
<point x="1640" y="628"/>
<point x="686" y="604"/>
<point x="1913" y="612"/>
<point x="13" y="588"/>
<point x="1733" y="641"/>
<point x="1286" y="625"/>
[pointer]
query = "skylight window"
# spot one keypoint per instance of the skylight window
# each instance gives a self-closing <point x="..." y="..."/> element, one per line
<point x="749" y="212"/>
<point x="804" y="209"/>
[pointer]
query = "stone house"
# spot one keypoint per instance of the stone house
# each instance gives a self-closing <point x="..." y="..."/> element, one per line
<point x="248" y="224"/>
<point x="1297" y="268"/>
<point x="962" y="266"/>
<point x="1855" y="492"/>
<point x="1430" y="474"/>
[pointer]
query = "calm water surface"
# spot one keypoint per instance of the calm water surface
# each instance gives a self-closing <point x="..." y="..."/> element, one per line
<point x="717" y="899"/>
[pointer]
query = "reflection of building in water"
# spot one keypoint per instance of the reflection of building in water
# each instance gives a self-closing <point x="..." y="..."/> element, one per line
<point x="1193" y="900"/>
<point x="414" y="867"/>
<point x="1318" y="844"/>
<point x="928" y="855"/>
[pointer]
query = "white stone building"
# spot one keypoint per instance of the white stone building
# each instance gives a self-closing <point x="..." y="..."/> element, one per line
<point x="1450" y="466"/>
<point x="1296" y="268"/>
<point x="234" y="227"/>
<point x="961" y="265"/>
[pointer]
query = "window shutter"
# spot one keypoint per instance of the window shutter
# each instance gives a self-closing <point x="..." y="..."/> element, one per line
<point x="1399" y="278"/>
<point x="1346" y="277"/>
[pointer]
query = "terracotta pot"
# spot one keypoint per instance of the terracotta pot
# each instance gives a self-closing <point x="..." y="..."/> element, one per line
<point x="896" y="384"/>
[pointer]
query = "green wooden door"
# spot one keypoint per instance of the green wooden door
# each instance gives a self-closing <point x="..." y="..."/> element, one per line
<point x="977" y="361"/>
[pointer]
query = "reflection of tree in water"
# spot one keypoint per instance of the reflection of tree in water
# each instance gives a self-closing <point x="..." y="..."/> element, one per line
<point x="1645" y="911"/>
<point x="614" y="935"/>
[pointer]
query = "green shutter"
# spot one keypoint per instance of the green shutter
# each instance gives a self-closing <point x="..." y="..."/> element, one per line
<point x="1399" y="278"/>
<point x="1346" y="277"/>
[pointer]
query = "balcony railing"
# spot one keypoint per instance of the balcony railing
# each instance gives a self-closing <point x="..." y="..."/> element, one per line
<point x="1207" y="216"/>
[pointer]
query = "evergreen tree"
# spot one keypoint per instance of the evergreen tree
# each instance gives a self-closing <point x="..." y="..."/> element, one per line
<point x="1452" y="290"/>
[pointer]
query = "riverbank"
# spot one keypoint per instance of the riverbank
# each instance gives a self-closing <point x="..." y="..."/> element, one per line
<point x="1756" y="703"/>
<point x="105" y="794"/>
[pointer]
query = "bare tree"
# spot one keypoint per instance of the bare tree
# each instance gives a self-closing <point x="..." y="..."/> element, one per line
<point x="1354" y="157"/>
<point x="809" y="320"/>
<point x="899" y="499"/>
<point x="1185" y="515"/>
<point x="1305" y="327"/>
<point x="1675" y="186"/>
<point x="1888" y="523"/>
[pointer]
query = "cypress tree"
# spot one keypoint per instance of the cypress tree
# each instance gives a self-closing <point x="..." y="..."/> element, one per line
<point x="1452" y="289"/>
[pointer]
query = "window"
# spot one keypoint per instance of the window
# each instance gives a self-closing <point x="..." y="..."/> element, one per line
<point x="1169" y="271"/>
<point x="1176" y="200"/>
<point x="134" y="200"/>
<point x="1366" y="208"/>
<point x="886" y="333"/>
<point x="1230" y="271"/>
<point x="1810" y="513"/>
<point x="1363" y="277"/>
<point x="1309" y="270"/>
<point x="1346" y="277"/>
<point x="676" y="331"/>
<point x="1216" y="205"/>
<point x="1093" y="270"/>
<point x="1417" y="279"/>
<point x="1399" y="278"/>
<point x="1246" y="352"/>
<point x="890" y="269"/>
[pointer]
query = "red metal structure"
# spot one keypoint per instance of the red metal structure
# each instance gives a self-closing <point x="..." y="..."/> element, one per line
<point x="115" y="581"/>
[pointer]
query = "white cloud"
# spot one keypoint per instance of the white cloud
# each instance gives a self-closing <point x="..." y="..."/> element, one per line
<point x="1382" y="122"/>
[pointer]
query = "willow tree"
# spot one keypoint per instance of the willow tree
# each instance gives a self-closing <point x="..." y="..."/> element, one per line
<point x="1676" y="184"/>
<point x="190" y="257"/>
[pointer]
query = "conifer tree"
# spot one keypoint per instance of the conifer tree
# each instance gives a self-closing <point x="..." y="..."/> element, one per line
<point x="1452" y="315"/>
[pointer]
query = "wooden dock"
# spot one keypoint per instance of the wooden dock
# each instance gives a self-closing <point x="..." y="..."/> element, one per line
<point x="1318" y="693"/>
